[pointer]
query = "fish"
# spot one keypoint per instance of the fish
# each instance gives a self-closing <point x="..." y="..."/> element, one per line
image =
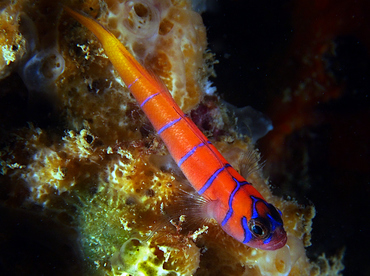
<point x="234" y="203"/>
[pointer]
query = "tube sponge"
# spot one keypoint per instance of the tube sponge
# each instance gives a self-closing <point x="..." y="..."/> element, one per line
<point x="42" y="69"/>
<point x="170" y="39"/>
<point x="141" y="18"/>
<point x="280" y="262"/>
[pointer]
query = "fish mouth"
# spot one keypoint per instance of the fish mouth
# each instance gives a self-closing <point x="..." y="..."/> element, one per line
<point x="279" y="241"/>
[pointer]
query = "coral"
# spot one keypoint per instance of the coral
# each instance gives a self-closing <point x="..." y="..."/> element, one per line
<point x="13" y="43"/>
<point x="99" y="168"/>
<point x="164" y="258"/>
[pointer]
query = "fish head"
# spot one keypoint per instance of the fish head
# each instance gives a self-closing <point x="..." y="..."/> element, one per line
<point x="264" y="229"/>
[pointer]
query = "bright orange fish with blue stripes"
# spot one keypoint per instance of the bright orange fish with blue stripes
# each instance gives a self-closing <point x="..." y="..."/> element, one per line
<point x="234" y="203"/>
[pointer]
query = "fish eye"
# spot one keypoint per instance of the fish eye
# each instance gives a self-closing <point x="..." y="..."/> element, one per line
<point x="258" y="229"/>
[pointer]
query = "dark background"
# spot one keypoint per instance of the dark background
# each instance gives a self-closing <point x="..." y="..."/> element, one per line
<point x="318" y="152"/>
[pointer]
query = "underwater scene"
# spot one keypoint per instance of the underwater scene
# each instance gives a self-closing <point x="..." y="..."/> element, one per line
<point x="265" y="171"/>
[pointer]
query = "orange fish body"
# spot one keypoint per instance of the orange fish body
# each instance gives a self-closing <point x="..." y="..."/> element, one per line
<point x="235" y="204"/>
